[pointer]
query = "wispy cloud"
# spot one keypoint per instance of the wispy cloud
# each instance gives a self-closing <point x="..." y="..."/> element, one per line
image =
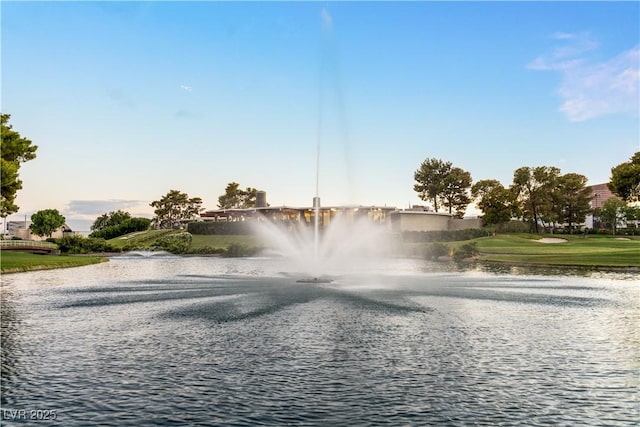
<point x="592" y="88"/>
<point x="186" y="88"/>
<point x="99" y="207"/>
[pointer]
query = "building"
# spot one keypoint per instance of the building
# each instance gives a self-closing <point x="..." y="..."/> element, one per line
<point x="20" y="229"/>
<point x="600" y="193"/>
<point x="422" y="220"/>
<point x="377" y="214"/>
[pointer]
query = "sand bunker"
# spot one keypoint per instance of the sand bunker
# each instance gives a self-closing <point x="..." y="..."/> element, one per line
<point x="551" y="240"/>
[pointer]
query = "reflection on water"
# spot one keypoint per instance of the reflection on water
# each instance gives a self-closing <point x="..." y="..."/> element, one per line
<point x="210" y="341"/>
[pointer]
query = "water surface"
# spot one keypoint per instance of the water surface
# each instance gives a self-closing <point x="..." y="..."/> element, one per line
<point x="210" y="341"/>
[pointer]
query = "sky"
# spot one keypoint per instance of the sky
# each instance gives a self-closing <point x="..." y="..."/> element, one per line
<point x="128" y="100"/>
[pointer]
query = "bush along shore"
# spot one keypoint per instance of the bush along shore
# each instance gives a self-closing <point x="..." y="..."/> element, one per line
<point x="592" y="251"/>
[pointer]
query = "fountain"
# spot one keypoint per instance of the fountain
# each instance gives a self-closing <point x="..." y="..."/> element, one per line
<point x="320" y="254"/>
<point x="344" y="245"/>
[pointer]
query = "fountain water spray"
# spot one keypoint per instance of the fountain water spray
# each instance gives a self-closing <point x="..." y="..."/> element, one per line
<point x="346" y="243"/>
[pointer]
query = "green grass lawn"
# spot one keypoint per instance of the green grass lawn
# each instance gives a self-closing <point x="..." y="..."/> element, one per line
<point x="579" y="250"/>
<point x="20" y="261"/>
<point x="146" y="239"/>
<point x="222" y="241"/>
<point x="140" y="238"/>
<point x="590" y="250"/>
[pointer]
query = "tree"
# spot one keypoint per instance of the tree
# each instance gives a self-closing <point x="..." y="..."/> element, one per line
<point x="14" y="150"/>
<point x="110" y="219"/>
<point x="45" y="222"/>
<point x="127" y="226"/>
<point x="234" y="197"/>
<point x="533" y="188"/>
<point x="625" y="179"/>
<point x="442" y="184"/>
<point x="613" y="211"/>
<point x="456" y="191"/>
<point x="573" y="198"/>
<point x="495" y="201"/>
<point x="430" y="180"/>
<point x="175" y="207"/>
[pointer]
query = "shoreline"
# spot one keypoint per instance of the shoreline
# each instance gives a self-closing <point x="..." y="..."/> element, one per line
<point x="104" y="257"/>
<point x="42" y="267"/>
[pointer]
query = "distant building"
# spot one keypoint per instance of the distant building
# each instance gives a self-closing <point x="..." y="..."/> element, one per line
<point x="422" y="220"/>
<point x="20" y="229"/>
<point x="306" y="215"/>
<point x="600" y="193"/>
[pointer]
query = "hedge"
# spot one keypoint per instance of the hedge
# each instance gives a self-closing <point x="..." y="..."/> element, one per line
<point x="445" y="235"/>
<point x="130" y="225"/>
<point x="222" y="227"/>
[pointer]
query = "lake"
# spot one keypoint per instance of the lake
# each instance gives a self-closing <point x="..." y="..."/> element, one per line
<point x="166" y="340"/>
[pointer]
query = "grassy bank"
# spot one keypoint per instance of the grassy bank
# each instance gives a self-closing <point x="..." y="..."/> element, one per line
<point x="521" y="249"/>
<point x="13" y="262"/>
<point x="587" y="251"/>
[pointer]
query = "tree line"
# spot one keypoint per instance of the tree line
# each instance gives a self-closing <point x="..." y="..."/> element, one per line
<point x="541" y="196"/>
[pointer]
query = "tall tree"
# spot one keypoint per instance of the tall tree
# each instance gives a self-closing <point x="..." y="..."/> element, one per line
<point x="175" y="207"/>
<point x="14" y="150"/>
<point x="430" y="178"/>
<point x="45" y="222"/>
<point x="613" y="211"/>
<point x="495" y="201"/>
<point x="455" y="192"/>
<point x="574" y="197"/>
<point x="533" y="188"/>
<point x="234" y="197"/>
<point x="625" y="179"/>
<point x="110" y="219"/>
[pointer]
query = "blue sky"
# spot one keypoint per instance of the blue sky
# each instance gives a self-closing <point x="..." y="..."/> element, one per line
<point x="127" y="101"/>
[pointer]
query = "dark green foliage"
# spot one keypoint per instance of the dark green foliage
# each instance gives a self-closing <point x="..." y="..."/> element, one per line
<point x="468" y="250"/>
<point x="206" y="250"/>
<point x="174" y="243"/>
<point x="129" y="225"/>
<point x="14" y="150"/>
<point x="222" y="227"/>
<point x="513" y="226"/>
<point x="435" y="250"/>
<point x="625" y="179"/>
<point x="240" y="250"/>
<point x="445" y="235"/>
<point x="534" y="188"/>
<point x="234" y="197"/>
<point x="110" y="219"/>
<point x="496" y="202"/>
<point x="174" y="208"/>
<point x="46" y="221"/>
<point x="83" y="245"/>
<point x="442" y="184"/>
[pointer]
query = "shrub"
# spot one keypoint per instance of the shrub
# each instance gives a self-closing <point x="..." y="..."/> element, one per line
<point x="130" y="225"/>
<point x="83" y="245"/>
<point x="435" y="250"/>
<point x="206" y="250"/>
<point x="445" y="235"/>
<point x="240" y="250"/>
<point x="174" y="243"/>
<point x="514" y="227"/>
<point x="222" y="227"/>
<point x="468" y="250"/>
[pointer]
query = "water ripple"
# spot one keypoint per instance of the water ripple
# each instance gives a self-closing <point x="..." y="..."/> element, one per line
<point x="200" y="348"/>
